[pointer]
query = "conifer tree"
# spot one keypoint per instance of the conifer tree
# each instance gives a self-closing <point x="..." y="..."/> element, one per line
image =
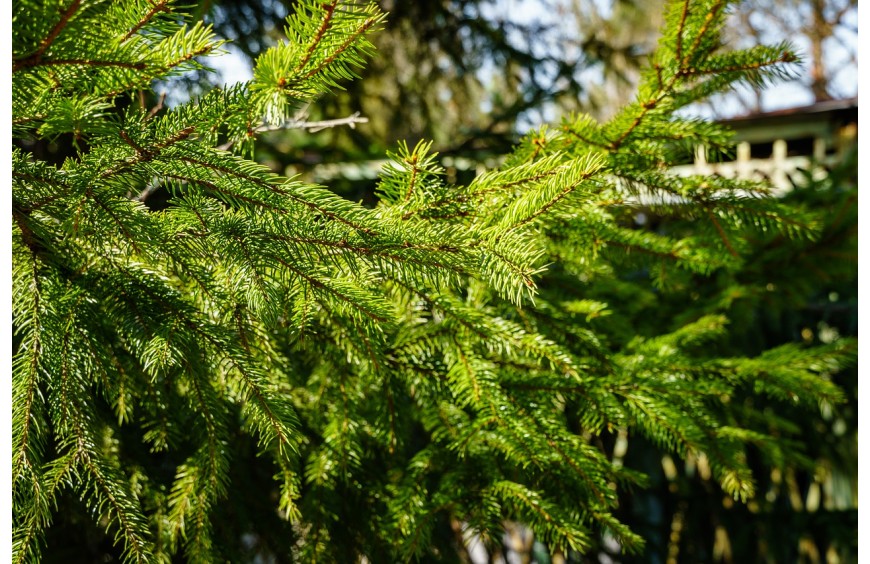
<point x="405" y="373"/>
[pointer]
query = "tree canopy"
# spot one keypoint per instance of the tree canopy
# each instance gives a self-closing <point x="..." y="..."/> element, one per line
<point x="261" y="368"/>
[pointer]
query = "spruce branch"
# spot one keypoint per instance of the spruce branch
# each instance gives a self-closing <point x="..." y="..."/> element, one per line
<point x="156" y="7"/>
<point x="25" y="416"/>
<point x="350" y="40"/>
<point x="328" y="11"/>
<point x="84" y="63"/>
<point x="391" y="378"/>
<point x="36" y="57"/>
<point x="712" y="15"/>
<point x="680" y="31"/>
<point x="135" y="540"/>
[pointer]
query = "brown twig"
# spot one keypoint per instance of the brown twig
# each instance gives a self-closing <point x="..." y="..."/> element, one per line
<point x="28" y="63"/>
<point x="350" y="39"/>
<point x="158" y="7"/>
<point x="156" y="108"/>
<point x="722" y="234"/>
<point x="49" y="39"/>
<point x="327" y="18"/>
<point x="312" y="126"/>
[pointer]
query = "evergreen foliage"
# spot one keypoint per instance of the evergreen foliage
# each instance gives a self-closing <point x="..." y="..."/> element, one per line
<point x="405" y="372"/>
<point x="786" y="291"/>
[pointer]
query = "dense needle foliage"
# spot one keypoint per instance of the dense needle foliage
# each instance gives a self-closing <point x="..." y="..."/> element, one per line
<point x="405" y="372"/>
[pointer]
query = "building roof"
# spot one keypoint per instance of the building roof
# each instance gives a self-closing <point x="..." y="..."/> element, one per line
<point x="826" y="106"/>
